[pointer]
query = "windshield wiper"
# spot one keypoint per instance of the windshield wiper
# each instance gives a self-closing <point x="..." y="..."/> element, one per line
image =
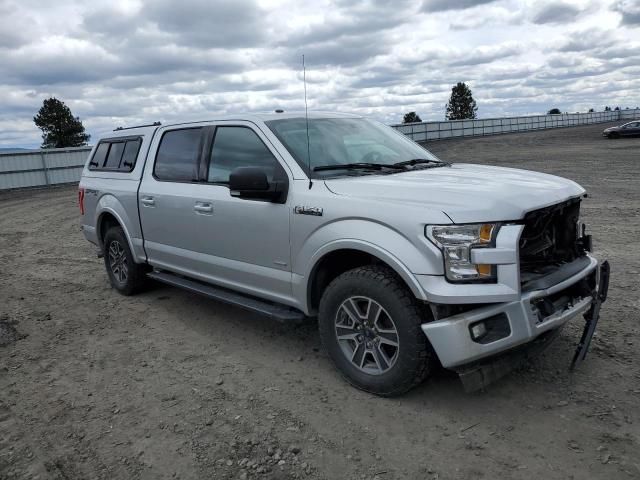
<point x="357" y="166"/>
<point x="421" y="161"/>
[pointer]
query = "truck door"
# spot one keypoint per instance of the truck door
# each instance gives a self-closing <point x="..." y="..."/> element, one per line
<point x="193" y="226"/>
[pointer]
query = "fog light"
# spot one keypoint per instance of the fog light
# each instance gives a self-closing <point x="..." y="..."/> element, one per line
<point x="478" y="330"/>
<point x="490" y="329"/>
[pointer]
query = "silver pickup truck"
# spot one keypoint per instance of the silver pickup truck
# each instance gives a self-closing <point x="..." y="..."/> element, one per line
<point x="408" y="262"/>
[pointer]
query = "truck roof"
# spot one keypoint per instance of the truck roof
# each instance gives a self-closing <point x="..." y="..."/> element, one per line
<point x="253" y="117"/>
<point x="293" y="114"/>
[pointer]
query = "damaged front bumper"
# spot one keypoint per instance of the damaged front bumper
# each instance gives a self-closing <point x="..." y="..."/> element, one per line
<point x="467" y="340"/>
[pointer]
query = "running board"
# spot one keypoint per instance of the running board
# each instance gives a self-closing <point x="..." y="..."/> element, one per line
<point x="281" y="313"/>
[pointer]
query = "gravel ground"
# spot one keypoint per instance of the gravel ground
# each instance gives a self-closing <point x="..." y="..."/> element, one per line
<point x="167" y="384"/>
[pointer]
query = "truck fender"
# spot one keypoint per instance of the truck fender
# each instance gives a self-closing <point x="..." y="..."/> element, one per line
<point x="407" y="257"/>
<point x="375" y="250"/>
<point x="110" y="204"/>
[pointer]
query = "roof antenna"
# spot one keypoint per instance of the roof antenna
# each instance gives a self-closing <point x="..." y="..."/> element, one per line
<point x="306" y="117"/>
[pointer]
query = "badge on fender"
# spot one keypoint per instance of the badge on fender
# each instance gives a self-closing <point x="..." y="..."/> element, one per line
<point x="315" y="211"/>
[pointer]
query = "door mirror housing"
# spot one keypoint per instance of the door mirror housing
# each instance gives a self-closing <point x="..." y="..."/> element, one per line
<point x="253" y="183"/>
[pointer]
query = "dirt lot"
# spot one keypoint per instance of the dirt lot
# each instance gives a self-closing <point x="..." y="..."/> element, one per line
<point x="170" y="385"/>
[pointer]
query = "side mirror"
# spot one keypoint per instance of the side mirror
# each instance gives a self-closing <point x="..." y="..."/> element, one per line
<point x="253" y="183"/>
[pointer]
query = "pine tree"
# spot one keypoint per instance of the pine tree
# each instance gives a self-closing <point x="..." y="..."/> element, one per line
<point x="59" y="127"/>
<point x="411" y="117"/>
<point x="461" y="103"/>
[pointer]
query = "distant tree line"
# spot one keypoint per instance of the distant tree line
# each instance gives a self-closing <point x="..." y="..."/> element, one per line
<point x="462" y="106"/>
<point x="556" y="111"/>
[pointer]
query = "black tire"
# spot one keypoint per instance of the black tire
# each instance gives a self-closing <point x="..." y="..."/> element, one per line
<point x="130" y="277"/>
<point x="613" y="135"/>
<point x="414" y="359"/>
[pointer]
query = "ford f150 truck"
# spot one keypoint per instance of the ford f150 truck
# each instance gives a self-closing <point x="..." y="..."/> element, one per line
<point x="408" y="262"/>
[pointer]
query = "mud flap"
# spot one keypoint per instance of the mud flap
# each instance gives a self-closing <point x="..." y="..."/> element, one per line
<point x="592" y="316"/>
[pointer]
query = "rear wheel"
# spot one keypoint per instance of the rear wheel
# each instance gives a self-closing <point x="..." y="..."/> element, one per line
<point x="370" y="326"/>
<point x="126" y="276"/>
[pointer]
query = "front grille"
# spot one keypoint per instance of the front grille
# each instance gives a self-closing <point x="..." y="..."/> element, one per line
<point x="550" y="239"/>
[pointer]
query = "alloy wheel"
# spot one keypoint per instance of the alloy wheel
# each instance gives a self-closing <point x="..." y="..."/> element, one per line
<point x="367" y="335"/>
<point x="118" y="261"/>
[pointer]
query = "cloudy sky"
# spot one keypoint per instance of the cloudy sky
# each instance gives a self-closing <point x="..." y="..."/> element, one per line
<point x="122" y="62"/>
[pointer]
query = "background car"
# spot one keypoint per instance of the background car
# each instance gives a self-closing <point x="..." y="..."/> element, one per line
<point x="630" y="129"/>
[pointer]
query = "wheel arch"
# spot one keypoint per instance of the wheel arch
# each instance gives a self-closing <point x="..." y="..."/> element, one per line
<point x="342" y="255"/>
<point x="109" y="218"/>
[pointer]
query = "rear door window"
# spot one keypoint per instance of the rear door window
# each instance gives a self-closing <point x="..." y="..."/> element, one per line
<point x="178" y="155"/>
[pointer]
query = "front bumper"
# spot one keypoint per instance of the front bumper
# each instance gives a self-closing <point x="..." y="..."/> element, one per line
<point x="452" y="340"/>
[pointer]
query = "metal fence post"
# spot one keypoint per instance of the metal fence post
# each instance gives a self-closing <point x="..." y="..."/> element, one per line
<point x="45" y="169"/>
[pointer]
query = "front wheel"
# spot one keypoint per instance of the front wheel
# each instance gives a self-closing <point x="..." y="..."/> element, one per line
<point x="370" y="326"/>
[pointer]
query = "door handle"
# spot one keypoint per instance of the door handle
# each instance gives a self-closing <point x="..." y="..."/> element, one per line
<point x="201" y="207"/>
<point x="148" y="201"/>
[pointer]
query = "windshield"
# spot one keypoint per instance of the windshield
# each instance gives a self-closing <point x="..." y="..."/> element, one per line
<point x="344" y="141"/>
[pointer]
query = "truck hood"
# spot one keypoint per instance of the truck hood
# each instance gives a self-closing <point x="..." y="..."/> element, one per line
<point x="466" y="193"/>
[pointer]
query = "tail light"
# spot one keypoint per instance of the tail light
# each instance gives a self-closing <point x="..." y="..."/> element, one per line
<point x="81" y="200"/>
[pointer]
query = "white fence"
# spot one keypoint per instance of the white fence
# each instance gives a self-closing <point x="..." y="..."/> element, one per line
<point x="424" y="131"/>
<point x="35" y="168"/>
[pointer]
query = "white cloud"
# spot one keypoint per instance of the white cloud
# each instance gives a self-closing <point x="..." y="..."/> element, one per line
<point x="556" y="12"/>
<point x="117" y="62"/>
<point x="629" y="10"/>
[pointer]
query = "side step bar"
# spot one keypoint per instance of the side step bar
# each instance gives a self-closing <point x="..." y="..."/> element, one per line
<point x="281" y="313"/>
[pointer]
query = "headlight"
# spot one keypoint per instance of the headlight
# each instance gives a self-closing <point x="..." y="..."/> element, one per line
<point x="456" y="242"/>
